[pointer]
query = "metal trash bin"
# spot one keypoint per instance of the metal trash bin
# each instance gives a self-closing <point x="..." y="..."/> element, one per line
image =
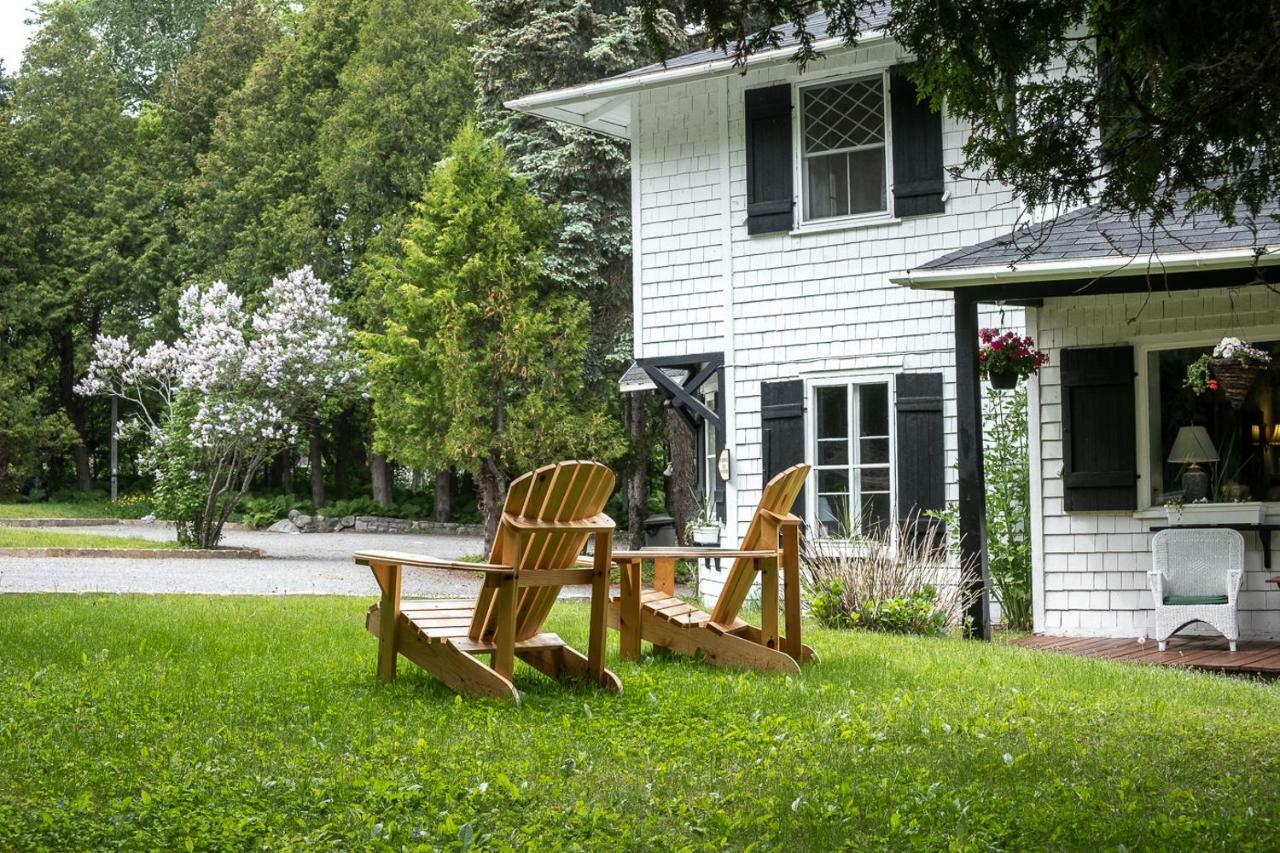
<point x="659" y="531"/>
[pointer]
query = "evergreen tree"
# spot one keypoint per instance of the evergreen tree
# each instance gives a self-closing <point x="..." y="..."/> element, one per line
<point x="480" y="365"/>
<point x="68" y="125"/>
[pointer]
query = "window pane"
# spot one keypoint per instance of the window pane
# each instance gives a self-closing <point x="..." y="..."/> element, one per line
<point x="833" y="515"/>
<point x="833" y="412"/>
<point x="827" y="193"/>
<point x="875" y="451"/>
<point x="874" y="479"/>
<point x="833" y="481"/>
<point x="845" y="115"/>
<point x="833" y="452"/>
<point x="873" y="410"/>
<point x="866" y="180"/>
<point x="875" y="514"/>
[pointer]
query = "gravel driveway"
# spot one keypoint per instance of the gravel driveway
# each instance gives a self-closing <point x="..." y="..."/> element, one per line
<point x="293" y="564"/>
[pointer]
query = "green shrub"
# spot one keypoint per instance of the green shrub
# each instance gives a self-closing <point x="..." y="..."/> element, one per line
<point x="898" y="583"/>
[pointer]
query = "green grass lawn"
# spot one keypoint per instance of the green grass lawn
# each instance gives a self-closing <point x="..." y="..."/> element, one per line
<point x="203" y="723"/>
<point x="38" y="537"/>
<point x="72" y="509"/>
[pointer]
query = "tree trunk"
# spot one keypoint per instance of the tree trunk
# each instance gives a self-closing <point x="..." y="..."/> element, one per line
<point x="380" y="479"/>
<point x="493" y="491"/>
<point x="286" y="470"/>
<point x="442" y="510"/>
<point x="73" y="406"/>
<point x="681" y="485"/>
<point x="637" y="484"/>
<point x="342" y="457"/>
<point x="316" y="457"/>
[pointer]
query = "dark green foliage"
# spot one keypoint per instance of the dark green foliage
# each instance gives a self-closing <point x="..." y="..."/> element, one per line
<point x="471" y="307"/>
<point x="181" y="483"/>
<point x="1008" y="479"/>
<point x="168" y="722"/>
<point x="1187" y="100"/>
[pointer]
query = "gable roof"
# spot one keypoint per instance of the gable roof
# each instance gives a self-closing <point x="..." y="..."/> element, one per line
<point x="605" y="105"/>
<point x="1093" y="241"/>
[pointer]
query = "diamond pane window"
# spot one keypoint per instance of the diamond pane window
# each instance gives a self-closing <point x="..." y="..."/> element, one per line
<point x="844" y="148"/>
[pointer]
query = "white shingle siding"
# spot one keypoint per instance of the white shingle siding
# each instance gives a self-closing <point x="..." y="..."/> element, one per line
<point x="803" y="304"/>
<point x="1092" y="575"/>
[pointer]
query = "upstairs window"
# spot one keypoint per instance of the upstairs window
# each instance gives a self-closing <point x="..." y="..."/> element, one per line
<point x="843" y="149"/>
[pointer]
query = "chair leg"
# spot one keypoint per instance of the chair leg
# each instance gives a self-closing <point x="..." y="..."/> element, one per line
<point x="599" y="629"/>
<point x="504" y="638"/>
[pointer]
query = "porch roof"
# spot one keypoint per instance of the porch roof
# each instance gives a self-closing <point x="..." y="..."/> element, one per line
<point x="1092" y="244"/>
<point x="605" y="105"/>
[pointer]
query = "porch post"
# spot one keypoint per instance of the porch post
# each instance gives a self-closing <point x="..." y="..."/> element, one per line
<point x="973" y="500"/>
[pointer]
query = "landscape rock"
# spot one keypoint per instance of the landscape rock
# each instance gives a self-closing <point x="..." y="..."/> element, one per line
<point x="284" y="525"/>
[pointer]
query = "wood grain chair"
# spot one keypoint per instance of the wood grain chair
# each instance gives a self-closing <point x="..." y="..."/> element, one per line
<point x="546" y="521"/>
<point x="720" y="636"/>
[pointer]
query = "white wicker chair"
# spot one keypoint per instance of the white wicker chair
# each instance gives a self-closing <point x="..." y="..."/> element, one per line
<point x="1195" y="577"/>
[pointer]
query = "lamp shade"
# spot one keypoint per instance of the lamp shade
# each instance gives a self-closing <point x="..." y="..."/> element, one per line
<point x="1193" y="445"/>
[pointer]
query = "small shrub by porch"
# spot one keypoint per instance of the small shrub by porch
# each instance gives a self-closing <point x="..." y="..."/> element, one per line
<point x="249" y="722"/>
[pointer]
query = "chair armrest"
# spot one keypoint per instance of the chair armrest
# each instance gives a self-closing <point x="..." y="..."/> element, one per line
<point x="401" y="558"/>
<point x="1155" y="578"/>
<point x="690" y="553"/>
<point x="1234" y="578"/>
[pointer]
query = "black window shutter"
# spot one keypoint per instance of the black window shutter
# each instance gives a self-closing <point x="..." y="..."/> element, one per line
<point x="782" y="429"/>
<point x="769" y="168"/>
<point x="921" y="454"/>
<point x="918" y="173"/>
<point x="1100" y="465"/>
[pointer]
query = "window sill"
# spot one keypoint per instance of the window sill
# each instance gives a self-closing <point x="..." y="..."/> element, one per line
<point x="824" y="226"/>
<point x="1271" y="511"/>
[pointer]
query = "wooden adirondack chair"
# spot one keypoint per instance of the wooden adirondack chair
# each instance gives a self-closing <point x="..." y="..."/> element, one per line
<point x="658" y="616"/>
<point x="546" y="520"/>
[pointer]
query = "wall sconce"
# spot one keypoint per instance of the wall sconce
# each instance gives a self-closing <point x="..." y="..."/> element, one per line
<point x="1256" y="431"/>
<point x="1274" y="439"/>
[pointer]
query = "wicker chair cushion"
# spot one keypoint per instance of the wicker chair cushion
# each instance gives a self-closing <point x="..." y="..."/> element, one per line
<point x="1192" y="600"/>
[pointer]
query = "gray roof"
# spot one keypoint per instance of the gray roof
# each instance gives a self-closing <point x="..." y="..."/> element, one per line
<point x="635" y="379"/>
<point x="873" y="19"/>
<point x="1091" y="233"/>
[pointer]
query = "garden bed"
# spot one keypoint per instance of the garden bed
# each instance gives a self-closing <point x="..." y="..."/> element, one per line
<point x="194" y="722"/>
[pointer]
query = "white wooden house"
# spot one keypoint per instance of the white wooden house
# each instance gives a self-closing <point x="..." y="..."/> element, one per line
<point x="772" y="211"/>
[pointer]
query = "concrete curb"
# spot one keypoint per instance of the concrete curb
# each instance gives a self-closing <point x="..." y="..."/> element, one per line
<point x="136" y="553"/>
<point x="60" y="522"/>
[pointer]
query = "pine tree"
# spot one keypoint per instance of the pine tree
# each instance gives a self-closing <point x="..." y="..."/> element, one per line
<point x="480" y="366"/>
<point x="68" y="125"/>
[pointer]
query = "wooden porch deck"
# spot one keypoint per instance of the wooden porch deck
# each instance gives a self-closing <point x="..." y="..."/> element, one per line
<point x="1257" y="657"/>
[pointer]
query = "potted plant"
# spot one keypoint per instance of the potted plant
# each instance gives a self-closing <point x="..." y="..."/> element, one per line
<point x="1233" y="367"/>
<point x="703" y="528"/>
<point x="1003" y="357"/>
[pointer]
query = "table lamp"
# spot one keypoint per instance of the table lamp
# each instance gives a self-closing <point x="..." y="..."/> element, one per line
<point x="1191" y="447"/>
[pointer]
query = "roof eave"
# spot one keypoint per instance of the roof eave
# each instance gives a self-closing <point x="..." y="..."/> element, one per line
<point x="558" y="104"/>
<point x="1151" y="264"/>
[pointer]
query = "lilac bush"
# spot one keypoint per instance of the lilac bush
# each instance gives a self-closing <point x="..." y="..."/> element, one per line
<point x="229" y="393"/>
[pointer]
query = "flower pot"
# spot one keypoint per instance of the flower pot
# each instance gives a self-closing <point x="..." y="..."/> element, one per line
<point x="1245" y="512"/>
<point x="707" y="534"/>
<point x="1004" y="380"/>
<point x="1235" y="378"/>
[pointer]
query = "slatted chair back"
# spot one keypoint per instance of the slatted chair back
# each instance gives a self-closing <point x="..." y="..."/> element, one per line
<point x="776" y="500"/>
<point x="566" y="492"/>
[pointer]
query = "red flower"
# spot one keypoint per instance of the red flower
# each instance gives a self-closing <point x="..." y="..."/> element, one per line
<point x="982" y="356"/>
<point x="1213" y="385"/>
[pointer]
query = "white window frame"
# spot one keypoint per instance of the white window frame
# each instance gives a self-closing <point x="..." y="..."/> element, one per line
<point x="811" y="439"/>
<point x="1143" y="348"/>
<point x="707" y="449"/>
<point x="804" y="223"/>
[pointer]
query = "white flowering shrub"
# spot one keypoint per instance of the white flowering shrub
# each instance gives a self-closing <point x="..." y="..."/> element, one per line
<point x="229" y="393"/>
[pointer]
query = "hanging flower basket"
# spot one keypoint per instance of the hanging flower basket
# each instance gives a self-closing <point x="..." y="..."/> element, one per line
<point x="1232" y="368"/>
<point x="1003" y="357"/>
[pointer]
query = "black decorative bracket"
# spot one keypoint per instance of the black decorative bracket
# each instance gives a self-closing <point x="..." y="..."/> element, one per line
<point x="681" y="397"/>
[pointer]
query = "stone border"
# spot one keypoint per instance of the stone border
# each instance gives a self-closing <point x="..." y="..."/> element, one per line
<point x="62" y="522"/>
<point x="298" y="522"/>
<point x="137" y="553"/>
